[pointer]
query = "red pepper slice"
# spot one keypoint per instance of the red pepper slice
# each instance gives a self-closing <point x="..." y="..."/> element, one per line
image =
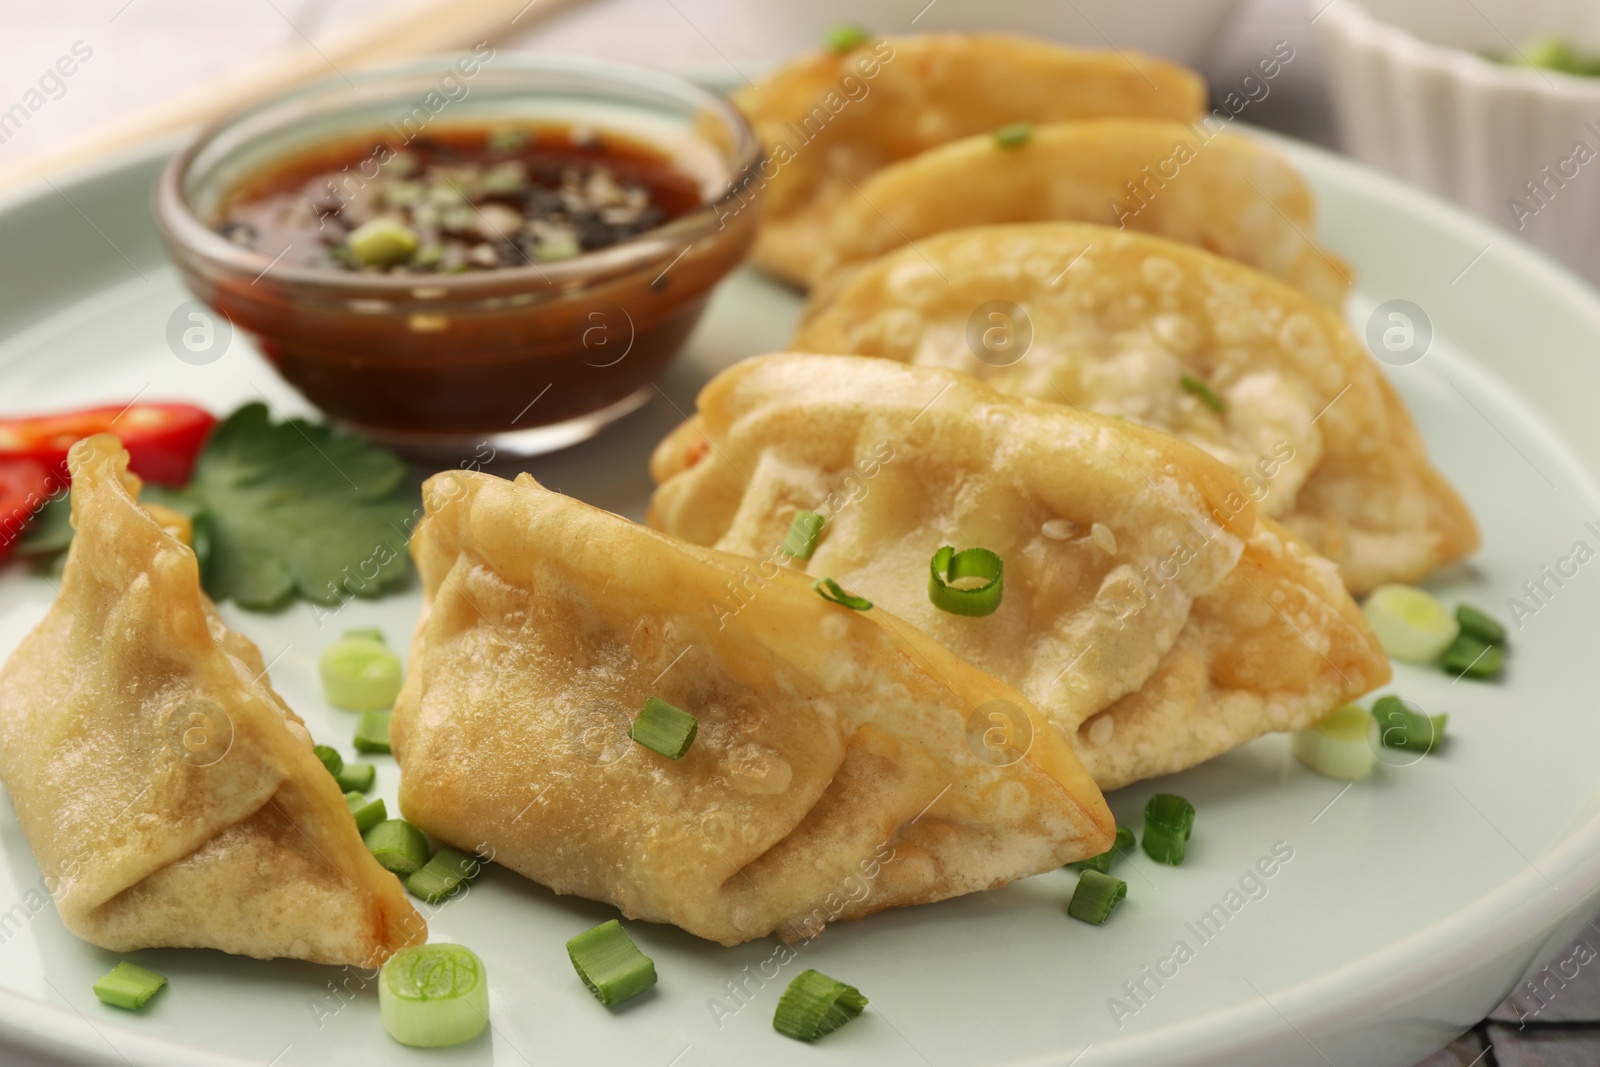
<point x="162" y="439"/>
<point x="24" y="488"/>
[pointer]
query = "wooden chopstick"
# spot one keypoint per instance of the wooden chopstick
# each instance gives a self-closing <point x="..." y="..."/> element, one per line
<point x="438" y="26"/>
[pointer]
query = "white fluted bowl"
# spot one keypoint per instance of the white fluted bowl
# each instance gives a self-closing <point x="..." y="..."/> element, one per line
<point x="1416" y="97"/>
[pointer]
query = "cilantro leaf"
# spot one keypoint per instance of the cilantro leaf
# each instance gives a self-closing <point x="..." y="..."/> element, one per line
<point x="298" y="508"/>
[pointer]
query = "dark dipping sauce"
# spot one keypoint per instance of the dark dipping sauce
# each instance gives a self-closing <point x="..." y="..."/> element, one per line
<point x="460" y="200"/>
<point x="479" y="329"/>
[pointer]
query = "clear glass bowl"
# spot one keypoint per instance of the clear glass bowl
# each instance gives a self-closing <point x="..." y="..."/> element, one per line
<point x="529" y="358"/>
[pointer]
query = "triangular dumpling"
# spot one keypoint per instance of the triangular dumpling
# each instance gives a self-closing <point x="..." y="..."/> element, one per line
<point x="1227" y="194"/>
<point x="831" y="118"/>
<point x="843" y="762"/>
<point x="171" y="797"/>
<point x="1165" y="334"/>
<point x="1137" y="575"/>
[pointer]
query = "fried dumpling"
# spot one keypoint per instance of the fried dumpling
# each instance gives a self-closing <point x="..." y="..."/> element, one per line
<point x="170" y="796"/>
<point x="843" y="763"/>
<point x="829" y="119"/>
<point x="1227" y="194"/>
<point x="1249" y="369"/>
<point x="1146" y="609"/>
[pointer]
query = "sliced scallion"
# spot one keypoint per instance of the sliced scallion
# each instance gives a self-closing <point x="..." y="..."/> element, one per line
<point x="815" y="1005"/>
<point x="1411" y="624"/>
<point x="1337" y="746"/>
<point x="367" y="813"/>
<point x="804" y="529"/>
<point x="1168" y="821"/>
<point x="663" y="728"/>
<point x="382" y="242"/>
<point x="610" y="964"/>
<point x="1479" y="625"/>
<point x="949" y="566"/>
<point x="828" y="589"/>
<point x="128" y="986"/>
<point x="398" y="846"/>
<point x="844" y="37"/>
<point x="1014" y="135"/>
<point x="356" y="777"/>
<point x="434" y="995"/>
<point x="1097" y="894"/>
<point x="371" y="633"/>
<point x="1102" y="862"/>
<point x="372" y="732"/>
<point x="1400" y="727"/>
<point x="1467" y="657"/>
<point x="360" y="674"/>
<point x="1201" y="388"/>
<point x="442" y="875"/>
<point x="330" y="758"/>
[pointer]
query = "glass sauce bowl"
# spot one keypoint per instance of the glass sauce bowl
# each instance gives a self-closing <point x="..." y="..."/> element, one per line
<point x="530" y="358"/>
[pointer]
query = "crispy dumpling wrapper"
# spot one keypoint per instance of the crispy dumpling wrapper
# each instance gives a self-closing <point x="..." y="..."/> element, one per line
<point x="170" y="796"/>
<point x="1227" y="194"/>
<point x="840" y="765"/>
<point x="1127" y="324"/>
<point x="829" y="119"/>
<point x="1147" y="610"/>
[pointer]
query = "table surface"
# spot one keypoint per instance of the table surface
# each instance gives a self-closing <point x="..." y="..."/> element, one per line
<point x="146" y="51"/>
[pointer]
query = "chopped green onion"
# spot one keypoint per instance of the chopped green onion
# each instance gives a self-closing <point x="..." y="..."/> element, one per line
<point x="434" y="995"/>
<point x="371" y="633"/>
<point x="845" y="37"/>
<point x="1400" y="727"/>
<point x="1097" y="894"/>
<point x="1014" y="135"/>
<point x="1412" y="626"/>
<point x="663" y="728"/>
<point x="1337" y="746"/>
<point x="1102" y="862"/>
<point x="330" y="758"/>
<point x="382" y="242"/>
<point x="610" y="964"/>
<point x="1470" y="658"/>
<point x="360" y="674"/>
<point x="555" y="249"/>
<point x="949" y="566"/>
<point x="356" y="777"/>
<point x="804" y="529"/>
<point x="1479" y="625"/>
<point x="509" y="139"/>
<point x="446" y="872"/>
<point x="372" y="732"/>
<point x="828" y="589"/>
<point x="1201" y="388"/>
<point x="398" y="846"/>
<point x="128" y="986"/>
<point x="815" y="1005"/>
<point x="1168" y="821"/>
<point x="367" y="813"/>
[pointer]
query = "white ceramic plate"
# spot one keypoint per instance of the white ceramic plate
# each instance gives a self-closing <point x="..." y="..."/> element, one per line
<point x="1412" y="903"/>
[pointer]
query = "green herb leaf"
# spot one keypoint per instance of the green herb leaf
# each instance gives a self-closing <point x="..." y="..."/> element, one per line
<point x="298" y="508"/>
<point x="1014" y="135"/>
<point x="1202" y="389"/>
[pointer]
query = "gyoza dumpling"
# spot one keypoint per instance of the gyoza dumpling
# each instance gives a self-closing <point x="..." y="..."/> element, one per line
<point x="170" y="796"/>
<point x="829" y="119"/>
<point x="1227" y="194"/>
<point x="1251" y="370"/>
<point x="1146" y="609"/>
<point x="842" y="762"/>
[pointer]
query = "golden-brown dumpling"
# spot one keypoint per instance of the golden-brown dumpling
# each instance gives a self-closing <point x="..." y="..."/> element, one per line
<point x="170" y="796"/>
<point x="829" y="119"/>
<point x="1225" y="193"/>
<point x="1128" y="324"/>
<point x="840" y="765"/>
<point x="1146" y="610"/>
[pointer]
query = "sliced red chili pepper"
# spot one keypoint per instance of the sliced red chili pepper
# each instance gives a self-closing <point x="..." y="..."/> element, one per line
<point x="162" y="439"/>
<point x="24" y="488"/>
